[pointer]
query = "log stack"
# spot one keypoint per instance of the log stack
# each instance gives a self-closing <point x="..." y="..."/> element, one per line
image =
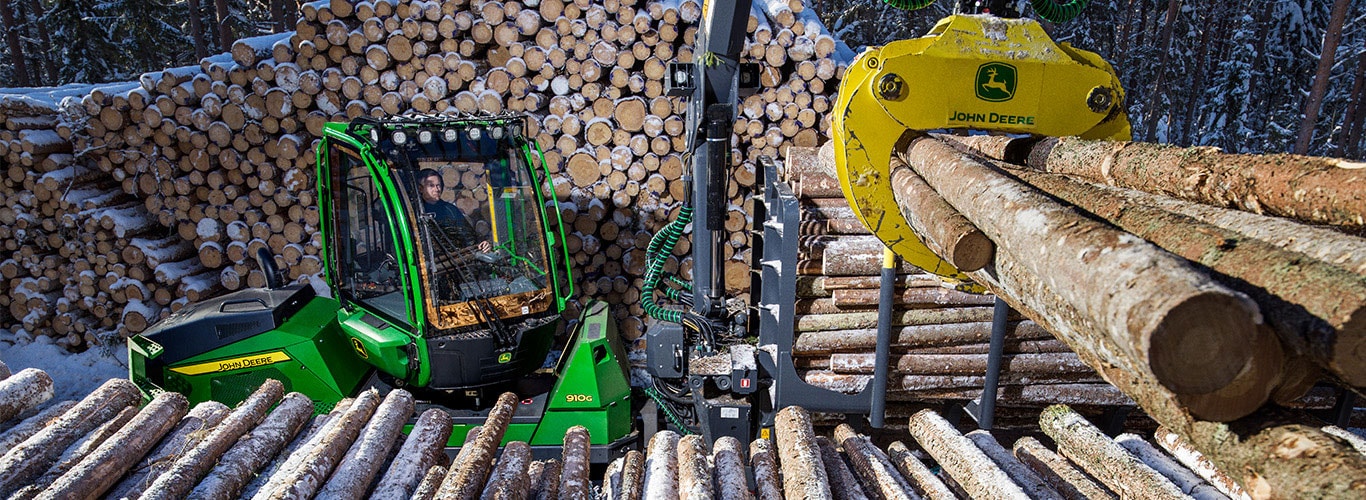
<point x="186" y="172"/>
<point x="164" y="449"/>
<point x="940" y="335"/>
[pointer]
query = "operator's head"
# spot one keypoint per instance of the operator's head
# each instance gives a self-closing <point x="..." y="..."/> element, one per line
<point x="430" y="185"/>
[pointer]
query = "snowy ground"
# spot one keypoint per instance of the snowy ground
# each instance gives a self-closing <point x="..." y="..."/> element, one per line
<point x="73" y="375"/>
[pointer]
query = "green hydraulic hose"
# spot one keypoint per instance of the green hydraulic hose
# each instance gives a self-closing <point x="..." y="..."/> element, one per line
<point x="1058" y="11"/>
<point x="655" y="255"/>
<point x="908" y="4"/>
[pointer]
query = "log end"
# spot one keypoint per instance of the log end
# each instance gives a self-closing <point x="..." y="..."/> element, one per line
<point x="1249" y="390"/>
<point x="1348" y="360"/>
<point x="972" y="252"/>
<point x="1201" y="344"/>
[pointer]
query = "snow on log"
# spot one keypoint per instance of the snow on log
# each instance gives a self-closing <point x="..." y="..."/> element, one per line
<point x="356" y="471"/>
<point x="661" y="466"/>
<point x="305" y="480"/>
<point x="27" y="389"/>
<point x="843" y="484"/>
<point x="1095" y="452"/>
<point x="694" y="472"/>
<point x="102" y="468"/>
<point x="574" y="479"/>
<point x="728" y="458"/>
<point x="509" y="480"/>
<point x="254" y="451"/>
<point x="763" y="457"/>
<point x="193" y="465"/>
<point x="419" y="453"/>
<point x="918" y="476"/>
<point x="1030" y="482"/>
<point x="1058" y="472"/>
<point x="803" y="473"/>
<point x="468" y="480"/>
<point x="973" y="470"/>
<point x="188" y="432"/>
<point x="26" y="461"/>
<point x="32" y="425"/>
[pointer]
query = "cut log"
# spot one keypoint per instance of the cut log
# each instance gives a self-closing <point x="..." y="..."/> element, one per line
<point x="32" y="425"/>
<point x="1105" y="460"/>
<point x="26" y="461"/>
<point x="254" y="450"/>
<point x="694" y="471"/>
<point x="468" y="480"/>
<point x="763" y="459"/>
<point x="545" y="479"/>
<point x="1182" y="311"/>
<point x="509" y="480"/>
<point x="297" y="450"/>
<point x="1188" y="482"/>
<point x="420" y="451"/>
<point x="357" y="469"/>
<point x="957" y="455"/>
<point x="192" y="428"/>
<point x="574" y="479"/>
<point x="917" y="475"/>
<point x="947" y="333"/>
<point x="1196" y="462"/>
<point x="426" y="490"/>
<point x="24" y="390"/>
<point x="940" y="227"/>
<point x="728" y="458"/>
<point x="97" y="472"/>
<point x="1030" y="482"/>
<point x="189" y="468"/>
<point x="1058" y="472"/>
<point x="315" y="467"/>
<point x="661" y="466"/>
<point x="875" y="471"/>
<point x="804" y="474"/>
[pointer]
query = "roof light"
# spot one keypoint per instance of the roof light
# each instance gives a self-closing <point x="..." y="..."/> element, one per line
<point x="496" y="132"/>
<point x="424" y="136"/>
<point x="400" y="137"/>
<point x="450" y="134"/>
<point x="475" y="133"/>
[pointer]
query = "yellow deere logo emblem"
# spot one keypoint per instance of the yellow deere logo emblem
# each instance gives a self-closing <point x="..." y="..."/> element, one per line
<point x="505" y="357"/>
<point x="995" y="82"/>
<point x="360" y="349"/>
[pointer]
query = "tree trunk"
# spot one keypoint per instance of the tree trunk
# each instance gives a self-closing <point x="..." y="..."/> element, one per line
<point x="32" y="425"/>
<point x="26" y="389"/>
<point x="545" y="477"/>
<point x="1350" y="146"/>
<point x="35" y="11"/>
<point x="225" y="35"/>
<point x="191" y="429"/>
<point x="509" y="480"/>
<point x="1332" y="35"/>
<point x="277" y="16"/>
<point x="197" y="29"/>
<point x="763" y="458"/>
<point x="30" y="459"/>
<point x="12" y="42"/>
<point x="843" y="484"/>
<point x="102" y="468"/>
<point x="942" y="229"/>
<point x="1164" y="45"/>
<point x="426" y="489"/>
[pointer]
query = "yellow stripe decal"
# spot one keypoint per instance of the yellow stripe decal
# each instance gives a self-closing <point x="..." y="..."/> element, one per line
<point x="228" y="365"/>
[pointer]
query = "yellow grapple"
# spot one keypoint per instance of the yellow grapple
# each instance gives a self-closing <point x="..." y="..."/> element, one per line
<point x="970" y="72"/>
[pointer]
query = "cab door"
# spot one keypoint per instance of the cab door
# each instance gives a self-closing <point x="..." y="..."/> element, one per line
<point x="365" y="260"/>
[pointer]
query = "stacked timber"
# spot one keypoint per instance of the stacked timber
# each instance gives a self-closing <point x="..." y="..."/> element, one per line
<point x="940" y="335"/>
<point x="271" y="445"/>
<point x="204" y="164"/>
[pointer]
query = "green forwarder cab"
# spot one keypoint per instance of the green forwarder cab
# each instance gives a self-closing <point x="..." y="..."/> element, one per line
<point x="446" y="257"/>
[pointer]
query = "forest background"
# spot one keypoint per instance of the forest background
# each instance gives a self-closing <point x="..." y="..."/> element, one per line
<point x="1248" y="77"/>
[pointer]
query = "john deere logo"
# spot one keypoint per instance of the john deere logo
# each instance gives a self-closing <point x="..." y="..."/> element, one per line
<point x="505" y="357"/>
<point x="360" y="349"/>
<point x="995" y="82"/>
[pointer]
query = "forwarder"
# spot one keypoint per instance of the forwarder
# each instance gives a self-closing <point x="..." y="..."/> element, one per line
<point x="456" y="304"/>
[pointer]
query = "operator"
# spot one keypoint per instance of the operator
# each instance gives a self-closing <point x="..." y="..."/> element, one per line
<point x="431" y="186"/>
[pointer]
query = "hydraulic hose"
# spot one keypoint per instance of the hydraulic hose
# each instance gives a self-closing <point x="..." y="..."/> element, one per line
<point x="1058" y="11"/>
<point x="660" y="246"/>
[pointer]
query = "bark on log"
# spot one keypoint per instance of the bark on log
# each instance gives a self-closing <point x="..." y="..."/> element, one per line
<point x="97" y="472"/>
<point x="32" y="425"/>
<point x="910" y="317"/>
<point x="298" y="450"/>
<point x="804" y="475"/>
<point x="509" y="480"/>
<point x="1030" y="482"/>
<point x="728" y="458"/>
<point x="632" y="475"/>
<point x="193" y="427"/>
<point x="763" y="459"/>
<point x="1084" y="444"/>
<point x="917" y="475"/>
<point x="254" y="451"/>
<point x="1065" y="478"/>
<point x="357" y="469"/>
<point x="875" y="471"/>
<point x="469" y="479"/>
<point x="177" y="481"/>
<point x="26" y="461"/>
<point x="925" y="335"/>
<point x="958" y="456"/>
<point x="912" y="298"/>
<point x="426" y="490"/>
<point x="843" y="484"/>
<point x="574" y="480"/>
<point x="694" y="472"/>
<point x="77" y="452"/>
<point x="313" y="470"/>
<point x="940" y="227"/>
<point x="26" y="389"/>
<point x="1165" y="310"/>
<point x="1198" y="463"/>
<point x="1185" y="480"/>
<point x="661" y="466"/>
<point x="420" y="451"/>
<point x="1286" y="285"/>
<point x="545" y="485"/>
<point x="1317" y="190"/>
